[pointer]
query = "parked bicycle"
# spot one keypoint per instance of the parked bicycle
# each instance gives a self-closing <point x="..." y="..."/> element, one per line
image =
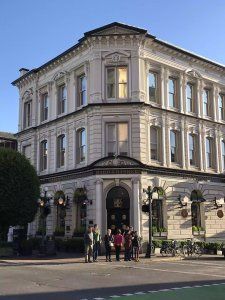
<point x="170" y="248"/>
<point x="192" y="249"/>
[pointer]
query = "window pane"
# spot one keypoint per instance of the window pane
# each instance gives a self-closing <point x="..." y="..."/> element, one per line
<point x="122" y="80"/>
<point x="152" y="82"/>
<point x="172" y="92"/>
<point x="205" y="102"/>
<point x="223" y="154"/>
<point x="208" y="152"/>
<point x="191" y="149"/>
<point x="189" y="97"/>
<point x="154" y="143"/>
<point x="111" y="138"/>
<point x="111" y="83"/>
<point x="221" y="106"/>
<point x="83" y="90"/>
<point x="173" y="150"/>
<point x="123" y="138"/>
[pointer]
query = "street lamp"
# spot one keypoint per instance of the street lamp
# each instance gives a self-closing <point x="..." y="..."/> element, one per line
<point x="44" y="203"/>
<point x="152" y="193"/>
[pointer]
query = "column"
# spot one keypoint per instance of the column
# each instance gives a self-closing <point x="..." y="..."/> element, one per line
<point x="162" y="87"/>
<point x="199" y="98"/>
<point x="182" y="146"/>
<point x="136" y="204"/>
<point x="201" y="149"/>
<point x="163" y="128"/>
<point x="98" y="202"/>
<point x="181" y="92"/>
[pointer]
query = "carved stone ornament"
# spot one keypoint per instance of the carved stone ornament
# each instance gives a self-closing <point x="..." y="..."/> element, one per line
<point x="220" y="214"/>
<point x="115" y="57"/>
<point x="59" y="75"/>
<point x="116" y="162"/>
<point x="184" y="213"/>
<point x="28" y="94"/>
<point x="193" y="73"/>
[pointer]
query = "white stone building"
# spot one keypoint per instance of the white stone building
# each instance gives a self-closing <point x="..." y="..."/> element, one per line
<point x="117" y="112"/>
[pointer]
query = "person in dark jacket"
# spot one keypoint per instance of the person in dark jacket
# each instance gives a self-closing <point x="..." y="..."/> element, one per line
<point x="108" y="239"/>
<point x="136" y="246"/>
<point x="88" y="244"/>
<point x="127" y="246"/>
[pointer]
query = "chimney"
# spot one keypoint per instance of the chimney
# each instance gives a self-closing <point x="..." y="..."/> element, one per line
<point x="23" y="71"/>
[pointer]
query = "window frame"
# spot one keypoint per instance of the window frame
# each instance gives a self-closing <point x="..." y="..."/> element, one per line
<point x="43" y="108"/>
<point x="27" y="114"/>
<point x="209" y="155"/>
<point x="157" y="143"/>
<point x="61" y="151"/>
<point x="81" y="93"/>
<point x="117" y="142"/>
<point x="116" y="82"/>
<point x="194" y="151"/>
<point x="156" y="89"/>
<point x="176" y="158"/>
<point x="221" y="108"/>
<point x="43" y="155"/>
<point x="206" y="105"/>
<point x="192" y="98"/>
<point x="223" y="154"/>
<point x="80" y="146"/>
<point x="61" y="100"/>
<point x="175" y="93"/>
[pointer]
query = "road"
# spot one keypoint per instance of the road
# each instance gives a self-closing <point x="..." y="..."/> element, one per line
<point x="48" y="281"/>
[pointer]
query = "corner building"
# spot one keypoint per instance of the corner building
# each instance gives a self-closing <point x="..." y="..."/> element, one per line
<point x="120" y="111"/>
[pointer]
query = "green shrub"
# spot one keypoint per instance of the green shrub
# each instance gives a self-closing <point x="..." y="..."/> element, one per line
<point x="157" y="243"/>
<point x="195" y="228"/>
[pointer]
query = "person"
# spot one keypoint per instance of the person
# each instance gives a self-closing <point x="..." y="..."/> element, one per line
<point x="88" y="244"/>
<point x="132" y="237"/>
<point x="96" y="240"/>
<point x="127" y="246"/>
<point x="136" y="245"/>
<point x="108" y="239"/>
<point x="118" y="242"/>
<point x="124" y="228"/>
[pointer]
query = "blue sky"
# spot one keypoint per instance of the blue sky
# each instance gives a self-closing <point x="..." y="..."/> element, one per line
<point x="34" y="31"/>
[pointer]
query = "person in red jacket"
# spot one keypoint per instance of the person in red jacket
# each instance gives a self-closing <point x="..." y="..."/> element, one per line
<point x="118" y="242"/>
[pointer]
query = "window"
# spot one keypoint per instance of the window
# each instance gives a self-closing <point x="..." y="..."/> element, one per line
<point x="173" y="146"/>
<point x="61" y="148"/>
<point x="117" y="139"/>
<point x="61" y="99"/>
<point x="157" y="214"/>
<point x="192" y="146"/>
<point x="154" y="143"/>
<point x="196" y="214"/>
<point x="189" y="97"/>
<point x="27" y="114"/>
<point x="81" y="145"/>
<point x="82" y="90"/>
<point x="208" y="152"/>
<point x="221" y="106"/>
<point x="44" y="107"/>
<point x="27" y="151"/>
<point x="116" y="78"/>
<point x="43" y="155"/>
<point x="206" y="94"/>
<point x="153" y="86"/>
<point x="223" y="154"/>
<point x="172" y="92"/>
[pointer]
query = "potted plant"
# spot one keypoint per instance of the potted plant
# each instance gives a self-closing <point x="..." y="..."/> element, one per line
<point x="195" y="230"/>
<point x="201" y="230"/>
<point x="163" y="231"/>
<point x="155" y="231"/>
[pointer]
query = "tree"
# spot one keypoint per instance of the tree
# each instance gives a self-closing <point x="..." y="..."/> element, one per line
<point x="19" y="189"/>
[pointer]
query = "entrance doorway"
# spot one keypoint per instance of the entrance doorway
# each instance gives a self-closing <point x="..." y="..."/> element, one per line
<point x="118" y="208"/>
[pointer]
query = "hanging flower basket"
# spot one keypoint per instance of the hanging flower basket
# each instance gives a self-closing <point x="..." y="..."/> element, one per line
<point x="80" y="195"/>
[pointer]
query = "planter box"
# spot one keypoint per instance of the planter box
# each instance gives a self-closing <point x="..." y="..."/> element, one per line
<point x="156" y="234"/>
<point x="157" y="250"/>
<point x="195" y="233"/>
<point x="202" y="232"/>
<point x="164" y="234"/>
<point x="219" y="252"/>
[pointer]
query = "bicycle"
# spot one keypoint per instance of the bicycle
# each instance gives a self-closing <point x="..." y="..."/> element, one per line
<point x="170" y="248"/>
<point x="192" y="249"/>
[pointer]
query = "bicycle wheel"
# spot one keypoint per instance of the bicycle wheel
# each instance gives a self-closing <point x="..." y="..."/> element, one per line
<point x="185" y="251"/>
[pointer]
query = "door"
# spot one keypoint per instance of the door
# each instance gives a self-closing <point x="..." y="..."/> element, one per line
<point x="118" y="208"/>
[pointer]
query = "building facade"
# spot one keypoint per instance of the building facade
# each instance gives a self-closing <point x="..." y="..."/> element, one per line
<point x="8" y="140"/>
<point x="116" y="113"/>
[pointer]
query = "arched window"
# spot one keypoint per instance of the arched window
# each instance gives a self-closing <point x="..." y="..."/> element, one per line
<point x="61" y="148"/>
<point x="81" y="145"/>
<point x="43" y="155"/>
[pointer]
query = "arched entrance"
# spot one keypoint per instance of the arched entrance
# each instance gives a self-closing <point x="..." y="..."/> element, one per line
<point x="118" y="208"/>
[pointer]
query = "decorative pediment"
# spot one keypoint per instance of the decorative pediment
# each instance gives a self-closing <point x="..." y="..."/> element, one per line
<point x="59" y="75"/>
<point x="116" y="57"/>
<point x="28" y="94"/>
<point x="117" y="161"/>
<point x="193" y="73"/>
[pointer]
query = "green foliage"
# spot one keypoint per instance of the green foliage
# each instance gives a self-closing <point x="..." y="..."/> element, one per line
<point x="59" y="231"/>
<point x="70" y="245"/>
<point x="194" y="228"/>
<point x="162" y="229"/>
<point x="19" y="189"/>
<point x="157" y="243"/>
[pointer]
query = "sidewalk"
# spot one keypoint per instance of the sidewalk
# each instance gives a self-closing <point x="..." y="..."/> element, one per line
<point x="71" y="258"/>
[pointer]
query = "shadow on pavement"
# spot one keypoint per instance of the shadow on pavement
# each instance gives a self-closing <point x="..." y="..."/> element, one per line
<point x="105" y="292"/>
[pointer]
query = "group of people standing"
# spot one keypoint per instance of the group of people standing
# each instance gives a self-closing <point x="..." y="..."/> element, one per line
<point x="125" y="238"/>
